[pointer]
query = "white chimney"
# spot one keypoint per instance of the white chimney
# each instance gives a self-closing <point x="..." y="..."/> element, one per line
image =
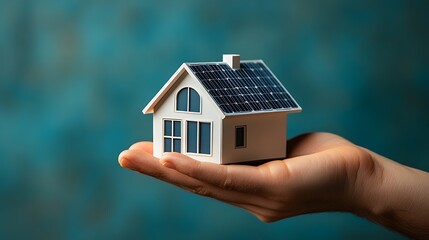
<point x="233" y="60"/>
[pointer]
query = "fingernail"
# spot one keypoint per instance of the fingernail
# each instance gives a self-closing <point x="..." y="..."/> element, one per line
<point x="120" y="158"/>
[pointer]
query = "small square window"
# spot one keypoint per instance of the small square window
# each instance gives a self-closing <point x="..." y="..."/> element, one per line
<point x="167" y="127"/>
<point x="240" y="136"/>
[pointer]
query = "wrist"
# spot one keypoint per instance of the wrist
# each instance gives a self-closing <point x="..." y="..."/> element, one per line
<point x="369" y="186"/>
<point x="395" y="196"/>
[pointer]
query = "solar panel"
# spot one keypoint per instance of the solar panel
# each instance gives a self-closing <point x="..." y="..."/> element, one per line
<point x="252" y="88"/>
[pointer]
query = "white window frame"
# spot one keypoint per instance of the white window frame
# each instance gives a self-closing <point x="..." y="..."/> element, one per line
<point x="244" y="136"/>
<point x="188" y="103"/>
<point x="198" y="138"/>
<point x="172" y="137"/>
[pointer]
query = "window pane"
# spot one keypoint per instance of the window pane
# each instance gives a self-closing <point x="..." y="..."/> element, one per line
<point x="239" y="136"/>
<point x="177" y="145"/>
<point x="167" y="144"/>
<point x="177" y="128"/>
<point x="205" y="138"/>
<point x="182" y="100"/>
<point x="194" y="101"/>
<point x="191" y="145"/>
<point x="167" y="127"/>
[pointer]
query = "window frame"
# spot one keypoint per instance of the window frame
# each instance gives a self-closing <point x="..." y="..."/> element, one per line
<point x="188" y="103"/>
<point x="244" y="136"/>
<point x="172" y="137"/>
<point x="198" y="138"/>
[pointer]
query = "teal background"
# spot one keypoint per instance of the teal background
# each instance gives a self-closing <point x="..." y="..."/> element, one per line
<point x="75" y="75"/>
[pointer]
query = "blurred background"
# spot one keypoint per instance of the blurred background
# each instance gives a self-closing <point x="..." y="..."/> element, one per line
<point x="75" y="75"/>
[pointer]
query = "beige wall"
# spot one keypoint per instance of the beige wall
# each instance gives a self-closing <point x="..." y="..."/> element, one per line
<point x="266" y="137"/>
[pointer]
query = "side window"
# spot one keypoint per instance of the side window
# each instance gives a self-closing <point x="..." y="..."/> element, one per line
<point x="172" y="136"/>
<point x="198" y="137"/>
<point x="188" y="100"/>
<point x="240" y="136"/>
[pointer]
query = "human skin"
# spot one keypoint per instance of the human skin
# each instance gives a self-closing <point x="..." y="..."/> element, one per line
<point x="322" y="172"/>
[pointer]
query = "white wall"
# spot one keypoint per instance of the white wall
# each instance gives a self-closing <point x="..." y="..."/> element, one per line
<point x="266" y="137"/>
<point x="209" y="113"/>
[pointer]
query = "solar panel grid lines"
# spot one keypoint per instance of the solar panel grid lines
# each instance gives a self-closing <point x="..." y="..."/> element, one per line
<point x="252" y="88"/>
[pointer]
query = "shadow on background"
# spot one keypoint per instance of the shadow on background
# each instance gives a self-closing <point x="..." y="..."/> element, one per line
<point x="75" y="76"/>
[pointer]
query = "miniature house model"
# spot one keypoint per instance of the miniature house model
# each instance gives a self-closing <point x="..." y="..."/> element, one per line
<point x="222" y="112"/>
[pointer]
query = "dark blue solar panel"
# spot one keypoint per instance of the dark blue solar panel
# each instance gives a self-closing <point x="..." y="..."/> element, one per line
<point x="251" y="88"/>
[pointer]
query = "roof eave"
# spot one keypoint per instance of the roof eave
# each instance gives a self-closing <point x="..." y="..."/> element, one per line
<point x="294" y="110"/>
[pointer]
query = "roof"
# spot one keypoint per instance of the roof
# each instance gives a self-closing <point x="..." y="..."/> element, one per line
<point x="252" y="88"/>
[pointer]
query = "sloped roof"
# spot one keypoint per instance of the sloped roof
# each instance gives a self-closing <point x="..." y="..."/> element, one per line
<point x="252" y="88"/>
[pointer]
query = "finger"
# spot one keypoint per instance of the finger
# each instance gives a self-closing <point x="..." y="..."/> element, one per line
<point x="144" y="146"/>
<point x="145" y="163"/>
<point x="263" y="214"/>
<point x="227" y="196"/>
<point x="312" y="142"/>
<point x="256" y="211"/>
<point x="231" y="177"/>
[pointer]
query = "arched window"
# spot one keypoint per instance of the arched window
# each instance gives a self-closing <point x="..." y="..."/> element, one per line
<point x="188" y="100"/>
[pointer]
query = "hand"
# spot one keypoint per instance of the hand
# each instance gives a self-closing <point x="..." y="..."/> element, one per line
<point x="322" y="172"/>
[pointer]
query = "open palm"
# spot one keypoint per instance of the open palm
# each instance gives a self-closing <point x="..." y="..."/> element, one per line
<point x="322" y="172"/>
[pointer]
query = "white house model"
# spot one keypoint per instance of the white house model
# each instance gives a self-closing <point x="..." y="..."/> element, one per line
<point x="222" y="112"/>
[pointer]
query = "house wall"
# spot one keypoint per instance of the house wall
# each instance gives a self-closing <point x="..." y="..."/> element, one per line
<point x="166" y="109"/>
<point x="266" y="137"/>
